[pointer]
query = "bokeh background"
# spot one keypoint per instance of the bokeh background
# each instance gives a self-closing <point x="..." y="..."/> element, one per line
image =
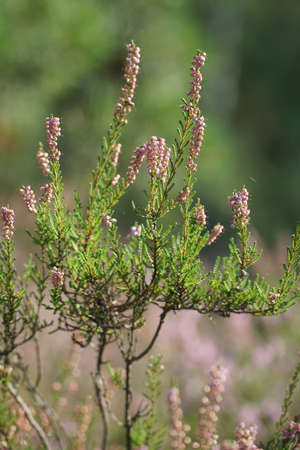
<point x="66" y="57"/>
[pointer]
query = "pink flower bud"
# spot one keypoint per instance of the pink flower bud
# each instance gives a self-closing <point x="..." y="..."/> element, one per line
<point x="135" y="231"/>
<point x="107" y="220"/>
<point x="57" y="277"/>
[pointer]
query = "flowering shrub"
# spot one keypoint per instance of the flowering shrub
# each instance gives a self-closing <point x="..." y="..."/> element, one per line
<point x="99" y="285"/>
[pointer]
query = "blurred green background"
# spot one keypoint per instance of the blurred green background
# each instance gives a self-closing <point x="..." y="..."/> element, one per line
<point x="66" y="57"/>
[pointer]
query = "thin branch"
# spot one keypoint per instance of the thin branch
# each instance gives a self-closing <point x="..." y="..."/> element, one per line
<point x="155" y="336"/>
<point x="128" y="393"/>
<point x="35" y="425"/>
<point x="38" y="362"/>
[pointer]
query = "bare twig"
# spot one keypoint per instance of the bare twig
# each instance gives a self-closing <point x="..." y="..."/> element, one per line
<point x="38" y="362"/>
<point x="35" y="425"/>
<point x="155" y="336"/>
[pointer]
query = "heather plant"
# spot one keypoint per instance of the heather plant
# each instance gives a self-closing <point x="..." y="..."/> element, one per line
<point x="98" y="285"/>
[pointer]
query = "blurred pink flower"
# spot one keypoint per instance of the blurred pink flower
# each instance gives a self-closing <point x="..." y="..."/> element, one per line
<point x="249" y="413"/>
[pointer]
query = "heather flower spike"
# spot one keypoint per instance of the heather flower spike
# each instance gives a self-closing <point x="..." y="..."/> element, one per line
<point x="116" y="154"/>
<point x="131" y="71"/>
<point x="210" y="408"/>
<point x="157" y="155"/>
<point x="53" y="131"/>
<point x="28" y="196"/>
<point x="239" y="205"/>
<point x="135" y="164"/>
<point x="43" y="159"/>
<point x="195" y="143"/>
<point x="178" y="432"/>
<point x="194" y="93"/>
<point x="216" y="231"/>
<point x="8" y="218"/>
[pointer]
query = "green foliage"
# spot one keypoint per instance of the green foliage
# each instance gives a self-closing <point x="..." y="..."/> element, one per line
<point x="116" y="377"/>
<point x="148" y="429"/>
<point x="7" y="418"/>
<point x="288" y="400"/>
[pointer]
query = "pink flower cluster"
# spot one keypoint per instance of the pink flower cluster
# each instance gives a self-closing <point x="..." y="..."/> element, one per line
<point x="239" y="205"/>
<point x="216" y="231"/>
<point x="183" y="195"/>
<point x="8" y="217"/>
<point x="272" y="296"/>
<point x="29" y="198"/>
<point x="135" y="231"/>
<point x="196" y="86"/>
<point x="107" y="220"/>
<point x="135" y="164"/>
<point x="53" y="132"/>
<point x="43" y="159"/>
<point x="115" y="157"/>
<point x="196" y="142"/>
<point x="291" y="430"/>
<point x="158" y="156"/>
<point x="57" y="277"/>
<point x="115" y="180"/>
<point x="131" y="71"/>
<point x="47" y="192"/>
<point x="200" y="216"/>
<point x="210" y="408"/>
<point x="245" y="437"/>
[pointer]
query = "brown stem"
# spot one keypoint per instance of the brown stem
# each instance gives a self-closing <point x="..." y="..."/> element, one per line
<point x="128" y="396"/>
<point x="127" y="356"/>
<point x="98" y="383"/>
